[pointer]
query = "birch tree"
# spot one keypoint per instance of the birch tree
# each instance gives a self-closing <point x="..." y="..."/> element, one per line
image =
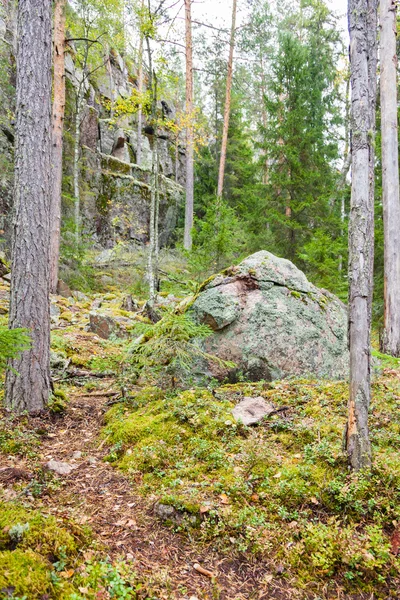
<point x="390" y="341"/>
<point x="362" y="29"/>
<point x="58" y="130"/>
<point x="189" y="128"/>
<point x="227" y="103"/>
<point x="28" y="383"/>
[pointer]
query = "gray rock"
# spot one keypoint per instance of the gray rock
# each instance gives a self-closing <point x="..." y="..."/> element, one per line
<point x="166" y="512"/>
<point x="77" y="454"/>
<point x="272" y="322"/>
<point x="61" y="468"/>
<point x="251" y="411"/>
<point x="103" y="325"/>
<point x="58" y="362"/>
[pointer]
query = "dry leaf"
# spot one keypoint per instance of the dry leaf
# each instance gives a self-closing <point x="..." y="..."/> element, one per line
<point x="67" y="574"/>
<point x="314" y="500"/>
<point x="224" y="499"/>
<point x="395" y="542"/>
<point x="255" y="497"/>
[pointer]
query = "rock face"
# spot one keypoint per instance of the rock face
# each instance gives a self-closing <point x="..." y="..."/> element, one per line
<point x="272" y="322"/>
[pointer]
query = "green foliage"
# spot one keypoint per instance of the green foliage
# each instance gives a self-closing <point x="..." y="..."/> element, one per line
<point x="169" y="347"/>
<point x="218" y="239"/>
<point x="280" y="489"/>
<point x="12" y="343"/>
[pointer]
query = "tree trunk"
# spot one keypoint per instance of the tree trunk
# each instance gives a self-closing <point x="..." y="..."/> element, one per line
<point x="187" y="241"/>
<point x="140" y="90"/>
<point x="362" y="28"/>
<point x="390" y="341"/>
<point x="28" y="385"/>
<point x="58" y="130"/>
<point x="227" y="111"/>
<point x="77" y="139"/>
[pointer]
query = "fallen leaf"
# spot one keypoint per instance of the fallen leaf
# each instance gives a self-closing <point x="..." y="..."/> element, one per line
<point x="67" y="574"/>
<point x="314" y="500"/>
<point x="278" y="475"/>
<point x="395" y="542"/>
<point x="224" y="499"/>
<point x="255" y="497"/>
<point x="204" y="509"/>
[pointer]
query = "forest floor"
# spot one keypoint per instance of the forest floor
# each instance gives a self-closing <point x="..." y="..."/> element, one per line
<point x="166" y="498"/>
<point x="96" y="495"/>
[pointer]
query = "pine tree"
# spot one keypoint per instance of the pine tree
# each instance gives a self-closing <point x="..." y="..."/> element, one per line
<point x="28" y="383"/>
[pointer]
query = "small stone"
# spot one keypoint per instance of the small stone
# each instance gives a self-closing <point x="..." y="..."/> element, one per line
<point x="61" y="468"/>
<point x="77" y="454"/>
<point x="92" y="460"/>
<point x="251" y="411"/>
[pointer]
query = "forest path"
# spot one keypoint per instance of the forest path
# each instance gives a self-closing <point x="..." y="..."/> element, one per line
<point x="97" y="495"/>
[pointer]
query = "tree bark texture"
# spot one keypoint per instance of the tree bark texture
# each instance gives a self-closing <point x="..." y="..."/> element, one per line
<point x="28" y="385"/>
<point x="390" y="341"/>
<point x="76" y="170"/>
<point x="363" y="59"/>
<point x="227" y="110"/>
<point x="58" y="131"/>
<point x="187" y="241"/>
<point x="140" y="90"/>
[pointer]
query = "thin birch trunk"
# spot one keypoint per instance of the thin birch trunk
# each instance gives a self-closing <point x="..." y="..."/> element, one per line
<point x="152" y="266"/>
<point x="187" y="239"/>
<point x="390" y="341"/>
<point x="76" y="170"/>
<point x="227" y="111"/>
<point x="28" y="382"/>
<point x="58" y="131"/>
<point x="362" y="28"/>
<point x="140" y="90"/>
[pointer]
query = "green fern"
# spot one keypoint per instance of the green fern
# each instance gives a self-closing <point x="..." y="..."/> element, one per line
<point x="12" y="343"/>
<point x="170" y="346"/>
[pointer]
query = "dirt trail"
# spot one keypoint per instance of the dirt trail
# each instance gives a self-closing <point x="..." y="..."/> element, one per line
<point x="97" y="495"/>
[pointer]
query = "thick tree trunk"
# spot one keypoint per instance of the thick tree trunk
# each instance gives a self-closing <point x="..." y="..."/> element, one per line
<point x="362" y="28"/>
<point x="390" y="341"/>
<point x="28" y="385"/>
<point x="227" y="111"/>
<point x="58" y="130"/>
<point x="187" y="240"/>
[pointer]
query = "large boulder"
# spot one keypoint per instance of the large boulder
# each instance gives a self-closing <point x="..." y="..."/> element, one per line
<point x="272" y="322"/>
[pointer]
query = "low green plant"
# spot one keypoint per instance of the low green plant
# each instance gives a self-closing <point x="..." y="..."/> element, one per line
<point x="169" y="348"/>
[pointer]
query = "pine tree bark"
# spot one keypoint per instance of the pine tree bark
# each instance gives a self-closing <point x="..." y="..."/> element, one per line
<point x="58" y="131"/>
<point x="227" y="110"/>
<point x="28" y="385"/>
<point x="390" y="340"/>
<point x="187" y="241"/>
<point x="363" y="60"/>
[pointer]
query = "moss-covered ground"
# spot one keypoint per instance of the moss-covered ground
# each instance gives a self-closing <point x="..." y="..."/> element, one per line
<point x="165" y="479"/>
<point x="280" y="491"/>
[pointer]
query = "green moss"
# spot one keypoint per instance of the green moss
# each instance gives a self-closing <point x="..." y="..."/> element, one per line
<point x="42" y="534"/>
<point x="26" y="571"/>
<point x="280" y="489"/>
<point x="66" y="316"/>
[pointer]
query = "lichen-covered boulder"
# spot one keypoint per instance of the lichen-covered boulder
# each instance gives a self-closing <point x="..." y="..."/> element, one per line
<point x="272" y="322"/>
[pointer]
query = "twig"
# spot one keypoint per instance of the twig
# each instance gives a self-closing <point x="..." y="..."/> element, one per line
<point x="203" y="571"/>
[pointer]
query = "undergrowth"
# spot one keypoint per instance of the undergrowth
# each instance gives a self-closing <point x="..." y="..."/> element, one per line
<point x="280" y="491"/>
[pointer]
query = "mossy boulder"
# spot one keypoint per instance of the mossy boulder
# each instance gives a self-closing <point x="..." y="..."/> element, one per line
<point x="272" y="322"/>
